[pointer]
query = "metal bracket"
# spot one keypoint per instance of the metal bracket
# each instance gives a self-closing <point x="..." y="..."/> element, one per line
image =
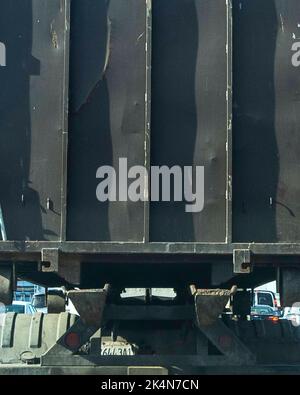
<point x="50" y="260"/>
<point x="209" y="305"/>
<point x="233" y="351"/>
<point x="90" y="304"/>
<point x="242" y="262"/>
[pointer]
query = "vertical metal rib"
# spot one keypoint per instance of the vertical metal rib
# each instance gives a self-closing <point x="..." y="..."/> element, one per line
<point x="148" y="117"/>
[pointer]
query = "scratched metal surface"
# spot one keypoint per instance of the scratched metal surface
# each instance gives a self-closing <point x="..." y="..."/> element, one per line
<point x="107" y="118"/>
<point x="266" y="104"/>
<point x="189" y="118"/>
<point x="108" y="85"/>
<point x="32" y="117"/>
<point x="189" y="112"/>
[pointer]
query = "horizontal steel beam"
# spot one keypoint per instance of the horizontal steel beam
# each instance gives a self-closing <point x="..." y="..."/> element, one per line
<point x="20" y="249"/>
<point x="125" y="370"/>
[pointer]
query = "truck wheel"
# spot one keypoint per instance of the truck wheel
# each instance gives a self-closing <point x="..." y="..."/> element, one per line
<point x="25" y="337"/>
<point x="6" y="285"/>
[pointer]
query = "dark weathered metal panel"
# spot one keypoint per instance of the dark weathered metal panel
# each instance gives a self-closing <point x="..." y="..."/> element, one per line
<point x="107" y="120"/>
<point x="189" y="111"/>
<point x="32" y="116"/>
<point x="266" y="191"/>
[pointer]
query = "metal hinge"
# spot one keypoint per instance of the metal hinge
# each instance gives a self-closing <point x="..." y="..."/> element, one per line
<point x="242" y="262"/>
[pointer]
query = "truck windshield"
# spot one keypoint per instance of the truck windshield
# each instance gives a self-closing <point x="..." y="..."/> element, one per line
<point x="264" y="298"/>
